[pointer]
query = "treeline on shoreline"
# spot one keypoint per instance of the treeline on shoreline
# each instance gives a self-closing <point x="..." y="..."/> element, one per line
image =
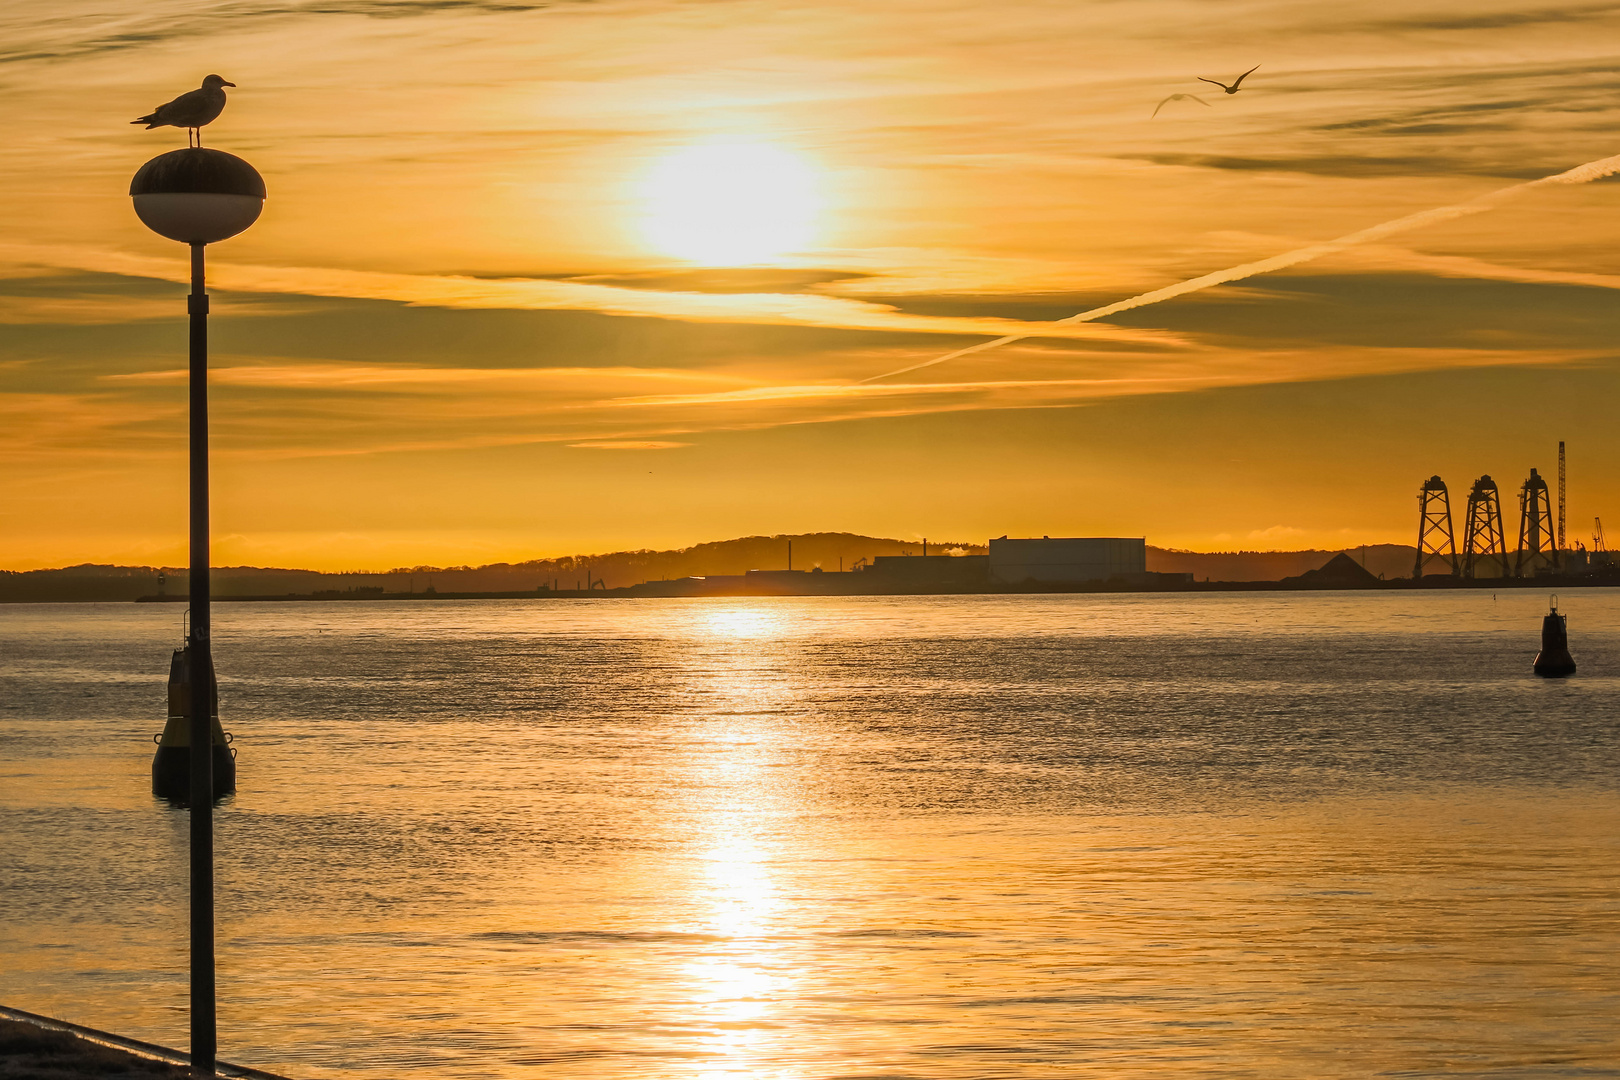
<point x="93" y="583"/>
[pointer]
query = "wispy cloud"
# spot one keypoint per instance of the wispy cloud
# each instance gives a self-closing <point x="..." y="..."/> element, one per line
<point x="37" y="428"/>
<point x="1340" y="164"/>
<point x="1557" y="14"/>
<point x="402" y="377"/>
<point x="765" y="309"/>
<point x="155" y="24"/>
<point x="1580" y="174"/>
<point x="104" y="309"/>
<point x="1385" y="257"/>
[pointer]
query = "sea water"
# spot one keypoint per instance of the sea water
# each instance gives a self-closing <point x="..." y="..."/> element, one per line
<point x="1238" y="835"/>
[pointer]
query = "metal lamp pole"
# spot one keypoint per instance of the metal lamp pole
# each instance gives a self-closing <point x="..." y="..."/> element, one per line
<point x="199" y="196"/>
<point x="204" y="1027"/>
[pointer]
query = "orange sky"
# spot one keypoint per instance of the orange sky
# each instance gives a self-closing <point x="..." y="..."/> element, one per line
<point x="494" y="309"/>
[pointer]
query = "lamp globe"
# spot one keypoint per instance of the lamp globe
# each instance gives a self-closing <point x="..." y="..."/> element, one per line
<point x="197" y="195"/>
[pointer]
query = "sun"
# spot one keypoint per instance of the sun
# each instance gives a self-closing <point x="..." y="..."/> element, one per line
<point x="731" y="203"/>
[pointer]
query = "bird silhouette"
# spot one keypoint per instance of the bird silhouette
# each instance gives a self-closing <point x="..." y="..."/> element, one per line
<point x="191" y="110"/>
<point x="1178" y="97"/>
<point x="1237" y="82"/>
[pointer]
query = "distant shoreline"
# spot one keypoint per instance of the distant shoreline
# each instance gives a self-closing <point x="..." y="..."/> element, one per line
<point x="661" y="590"/>
<point x="845" y="564"/>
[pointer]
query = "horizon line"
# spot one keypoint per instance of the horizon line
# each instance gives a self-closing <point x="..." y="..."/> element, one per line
<point x="581" y="559"/>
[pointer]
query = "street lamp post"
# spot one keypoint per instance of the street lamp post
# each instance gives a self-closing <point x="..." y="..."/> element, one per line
<point x="199" y="196"/>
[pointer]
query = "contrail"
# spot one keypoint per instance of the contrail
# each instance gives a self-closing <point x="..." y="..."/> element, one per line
<point x="1580" y="174"/>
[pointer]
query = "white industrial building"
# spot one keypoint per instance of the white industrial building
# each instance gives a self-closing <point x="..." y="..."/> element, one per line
<point x="1066" y="558"/>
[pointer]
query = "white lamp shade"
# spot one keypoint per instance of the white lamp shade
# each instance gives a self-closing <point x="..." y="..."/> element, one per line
<point x="197" y="217"/>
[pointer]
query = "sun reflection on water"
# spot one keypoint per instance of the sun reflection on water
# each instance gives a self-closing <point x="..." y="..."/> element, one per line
<point x="742" y="622"/>
<point x="738" y="987"/>
<point x="742" y="896"/>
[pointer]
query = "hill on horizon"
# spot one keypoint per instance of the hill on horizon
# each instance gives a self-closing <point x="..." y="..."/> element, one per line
<point x="830" y="551"/>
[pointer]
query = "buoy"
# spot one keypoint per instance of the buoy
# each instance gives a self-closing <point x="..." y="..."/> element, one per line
<point x="1554" y="661"/>
<point x="171" y="765"/>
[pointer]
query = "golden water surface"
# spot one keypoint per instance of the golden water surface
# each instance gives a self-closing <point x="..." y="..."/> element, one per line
<point x="1265" y="835"/>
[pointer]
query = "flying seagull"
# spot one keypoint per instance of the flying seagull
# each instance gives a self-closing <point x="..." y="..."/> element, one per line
<point x="1178" y="97"/>
<point x="1235" y="82"/>
<point x="190" y="110"/>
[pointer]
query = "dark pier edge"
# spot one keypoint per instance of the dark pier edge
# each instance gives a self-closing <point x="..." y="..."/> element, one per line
<point x="137" y="1047"/>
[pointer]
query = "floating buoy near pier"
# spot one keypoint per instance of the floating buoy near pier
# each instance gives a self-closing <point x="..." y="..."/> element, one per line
<point x="1554" y="661"/>
<point x="171" y="765"/>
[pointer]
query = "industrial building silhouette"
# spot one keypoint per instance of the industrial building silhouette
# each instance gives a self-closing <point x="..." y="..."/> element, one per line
<point x="1540" y="549"/>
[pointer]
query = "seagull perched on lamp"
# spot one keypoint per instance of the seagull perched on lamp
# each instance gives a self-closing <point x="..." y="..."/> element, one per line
<point x="191" y="110"/>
